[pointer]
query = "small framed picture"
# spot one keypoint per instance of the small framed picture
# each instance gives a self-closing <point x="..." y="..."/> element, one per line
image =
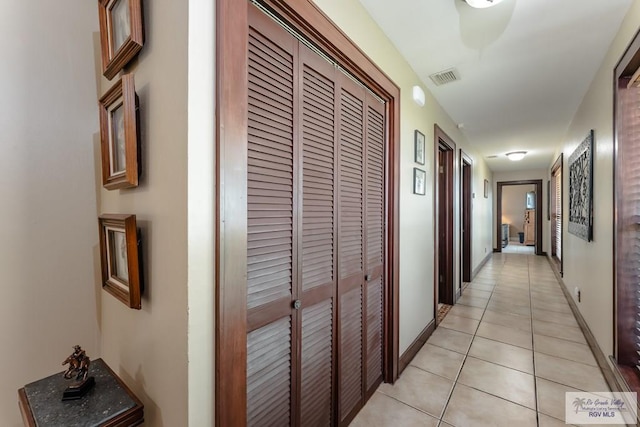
<point x="419" y="181"/>
<point x="486" y="189"/>
<point x="119" y="253"/>
<point x="419" y="147"/>
<point x="121" y="33"/>
<point x="119" y="135"/>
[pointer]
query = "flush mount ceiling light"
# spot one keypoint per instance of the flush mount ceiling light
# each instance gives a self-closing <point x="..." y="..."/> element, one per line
<point x="481" y="4"/>
<point x="516" y="155"/>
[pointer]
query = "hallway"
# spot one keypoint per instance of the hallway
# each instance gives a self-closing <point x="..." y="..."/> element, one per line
<point x="503" y="356"/>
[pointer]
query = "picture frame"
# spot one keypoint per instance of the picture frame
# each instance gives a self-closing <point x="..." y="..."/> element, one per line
<point x="486" y="188"/>
<point x="119" y="132"/>
<point x="419" y="147"/>
<point x="120" y="258"/>
<point x="419" y="181"/>
<point x="121" y="33"/>
<point x="581" y="189"/>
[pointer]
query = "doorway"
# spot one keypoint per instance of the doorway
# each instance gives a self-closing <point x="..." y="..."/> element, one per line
<point x="444" y="155"/>
<point x="466" y="207"/>
<point x="531" y="218"/>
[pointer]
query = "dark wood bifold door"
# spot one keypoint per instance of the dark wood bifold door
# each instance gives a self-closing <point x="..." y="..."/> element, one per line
<point x="315" y="260"/>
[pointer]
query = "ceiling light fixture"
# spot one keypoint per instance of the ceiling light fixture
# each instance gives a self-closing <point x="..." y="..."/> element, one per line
<point x="418" y="96"/>
<point x="481" y="4"/>
<point x="516" y="155"/>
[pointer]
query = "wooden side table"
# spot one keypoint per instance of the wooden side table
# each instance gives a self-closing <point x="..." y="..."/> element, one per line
<point x="109" y="403"/>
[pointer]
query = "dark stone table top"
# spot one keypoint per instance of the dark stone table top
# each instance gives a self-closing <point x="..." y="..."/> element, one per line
<point x="106" y="400"/>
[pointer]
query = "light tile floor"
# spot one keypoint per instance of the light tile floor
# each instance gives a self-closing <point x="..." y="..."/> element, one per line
<point x="503" y="356"/>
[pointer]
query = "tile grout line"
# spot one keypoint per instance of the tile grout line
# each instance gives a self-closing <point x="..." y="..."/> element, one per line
<point x="533" y="348"/>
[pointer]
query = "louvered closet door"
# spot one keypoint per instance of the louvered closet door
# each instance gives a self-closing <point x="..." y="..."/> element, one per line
<point x="272" y="234"/>
<point x="315" y="235"/>
<point x="360" y="243"/>
<point x="374" y="238"/>
<point x="318" y="241"/>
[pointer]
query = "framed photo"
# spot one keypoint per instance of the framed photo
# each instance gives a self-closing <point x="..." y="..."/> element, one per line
<point x="486" y="189"/>
<point x="119" y="135"/>
<point x="121" y="33"/>
<point x="581" y="190"/>
<point x="419" y="147"/>
<point x="120" y="256"/>
<point x="419" y="181"/>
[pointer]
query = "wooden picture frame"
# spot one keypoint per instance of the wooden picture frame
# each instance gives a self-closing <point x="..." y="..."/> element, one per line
<point x="419" y="147"/>
<point x="119" y="135"/>
<point x="486" y="188"/>
<point x="581" y="189"/>
<point x="121" y="33"/>
<point x="419" y="181"/>
<point x="120" y="258"/>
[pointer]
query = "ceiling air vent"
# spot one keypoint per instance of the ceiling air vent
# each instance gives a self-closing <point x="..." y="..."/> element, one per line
<point x="446" y="76"/>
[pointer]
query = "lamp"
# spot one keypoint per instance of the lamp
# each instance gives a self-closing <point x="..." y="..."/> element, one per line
<point x="481" y="4"/>
<point x="516" y="155"/>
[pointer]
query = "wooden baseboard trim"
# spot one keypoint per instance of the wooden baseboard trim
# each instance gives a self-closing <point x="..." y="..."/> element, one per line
<point x="415" y="347"/>
<point x="482" y="263"/>
<point x="601" y="359"/>
<point x="496" y="250"/>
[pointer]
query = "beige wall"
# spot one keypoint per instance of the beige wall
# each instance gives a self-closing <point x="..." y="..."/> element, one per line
<point x="416" y="212"/>
<point x="48" y="226"/>
<point x="522" y="176"/>
<point x="589" y="265"/>
<point x="148" y="348"/>
<point x="514" y="206"/>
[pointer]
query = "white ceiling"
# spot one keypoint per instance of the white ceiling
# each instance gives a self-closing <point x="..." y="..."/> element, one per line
<point x="525" y="65"/>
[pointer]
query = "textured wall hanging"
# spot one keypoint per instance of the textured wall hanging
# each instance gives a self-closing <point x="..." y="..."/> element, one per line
<point x="581" y="190"/>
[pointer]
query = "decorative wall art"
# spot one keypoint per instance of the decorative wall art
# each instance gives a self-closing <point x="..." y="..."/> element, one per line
<point x="419" y="147"/>
<point x="119" y="135"/>
<point x="419" y="181"/>
<point x="121" y="33"/>
<point x="120" y="258"/>
<point x="581" y="190"/>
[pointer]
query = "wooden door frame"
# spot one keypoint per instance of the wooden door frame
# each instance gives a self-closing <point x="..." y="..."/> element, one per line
<point x="538" y="184"/>
<point x="557" y="165"/>
<point x="466" y="217"/>
<point x="442" y="139"/>
<point x="231" y="187"/>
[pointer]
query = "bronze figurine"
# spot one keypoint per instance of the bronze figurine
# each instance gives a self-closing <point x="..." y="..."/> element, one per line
<point x="78" y="363"/>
